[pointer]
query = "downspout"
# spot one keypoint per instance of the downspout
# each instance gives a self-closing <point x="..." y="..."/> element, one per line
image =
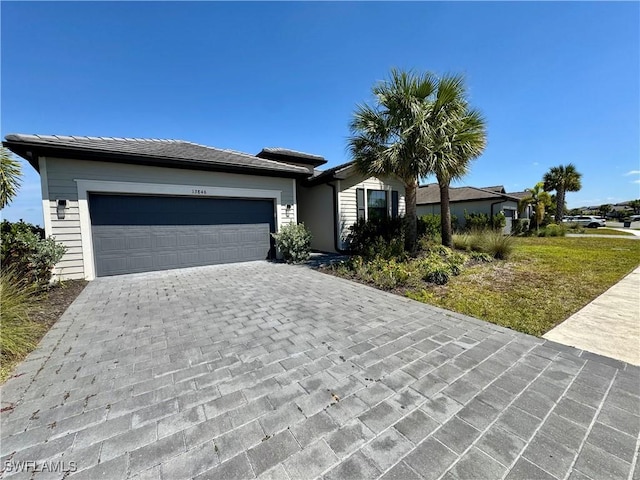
<point x="336" y="243"/>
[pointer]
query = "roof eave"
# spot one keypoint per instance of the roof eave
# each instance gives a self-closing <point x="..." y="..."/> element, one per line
<point x="31" y="152"/>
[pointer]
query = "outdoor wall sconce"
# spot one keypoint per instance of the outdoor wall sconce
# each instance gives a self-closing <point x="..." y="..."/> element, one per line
<point x="61" y="205"/>
<point x="288" y="210"/>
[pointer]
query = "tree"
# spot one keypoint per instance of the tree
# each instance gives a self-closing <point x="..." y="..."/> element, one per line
<point x="391" y="137"/>
<point x="458" y="135"/>
<point x="418" y="126"/>
<point x="562" y="179"/>
<point x="10" y="173"/>
<point x="539" y="201"/>
<point x="634" y="205"/>
<point x="603" y="210"/>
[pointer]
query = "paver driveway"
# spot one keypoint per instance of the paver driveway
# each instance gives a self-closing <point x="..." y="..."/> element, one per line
<point x="282" y="372"/>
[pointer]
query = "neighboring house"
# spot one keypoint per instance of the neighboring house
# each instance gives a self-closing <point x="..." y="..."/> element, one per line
<point x="136" y="205"/>
<point x="330" y="201"/>
<point x="489" y="200"/>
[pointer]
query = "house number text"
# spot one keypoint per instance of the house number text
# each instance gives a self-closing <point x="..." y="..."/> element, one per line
<point x="198" y="191"/>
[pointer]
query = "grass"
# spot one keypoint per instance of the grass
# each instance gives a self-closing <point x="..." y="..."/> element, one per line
<point x="545" y="281"/>
<point x="26" y="315"/>
<point x="19" y="333"/>
<point x="602" y="231"/>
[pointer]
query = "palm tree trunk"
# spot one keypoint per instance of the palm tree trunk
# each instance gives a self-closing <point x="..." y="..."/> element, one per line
<point x="559" y="205"/>
<point x="411" y="219"/>
<point x="445" y="213"/>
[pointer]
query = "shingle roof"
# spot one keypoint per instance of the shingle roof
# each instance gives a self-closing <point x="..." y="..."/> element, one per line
<point x="428" y="194"/>
<point x="279" y="153"/>
<point x="495" y="188"/>
<point x="519" y="195"/>
<point x="177" y="153"/>
<point x="321" y="176"/>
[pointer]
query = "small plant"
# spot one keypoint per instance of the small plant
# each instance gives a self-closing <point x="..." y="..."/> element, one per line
<point x="481" y="257"/>
<point x="498" y="245"/>
<point x="294" y="242"/>
<point x="439" y="275"/>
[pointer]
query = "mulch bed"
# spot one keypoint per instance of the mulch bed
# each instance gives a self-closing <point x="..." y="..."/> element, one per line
<point x="50" y="305"/>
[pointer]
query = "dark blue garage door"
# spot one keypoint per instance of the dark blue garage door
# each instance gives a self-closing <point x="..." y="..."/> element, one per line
<point x="140" y="233"/>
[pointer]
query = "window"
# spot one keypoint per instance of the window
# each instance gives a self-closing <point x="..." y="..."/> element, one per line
<point x="376" y="204"/>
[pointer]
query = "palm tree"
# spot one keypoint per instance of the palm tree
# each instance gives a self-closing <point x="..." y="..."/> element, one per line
<point x="458" y="135"/>
<point x="539" y="201"/>
<point x="562" y="179"/>
<point x="10" y="173"/>
<point x="419" y="126"/>
<point x="392" y="137"/>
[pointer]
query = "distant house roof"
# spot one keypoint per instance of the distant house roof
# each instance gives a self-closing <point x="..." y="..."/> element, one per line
<point x="519" y="195"/>
<point x="145" y="151"/>
<point x="430" y="194"/>
<point x="496" y="188"/>
<point x="334" y="173"/>
<point x="287" y="155"/>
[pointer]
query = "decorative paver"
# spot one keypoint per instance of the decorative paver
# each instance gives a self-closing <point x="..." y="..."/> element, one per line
<point x="276" y="371"/>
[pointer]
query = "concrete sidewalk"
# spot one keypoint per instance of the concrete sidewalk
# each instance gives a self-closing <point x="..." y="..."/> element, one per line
<point x="609" y="325"/>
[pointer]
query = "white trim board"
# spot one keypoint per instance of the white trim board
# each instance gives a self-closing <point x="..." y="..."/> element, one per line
<point x="101" y="186"/>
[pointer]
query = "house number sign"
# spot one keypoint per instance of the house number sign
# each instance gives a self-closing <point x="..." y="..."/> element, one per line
<point x="198" y="191"/>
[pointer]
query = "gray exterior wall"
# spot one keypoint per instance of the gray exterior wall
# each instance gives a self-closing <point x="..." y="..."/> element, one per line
<point x="59" y="183"/>
<point x="477" y="206"/>
<point x="315" y="210"/>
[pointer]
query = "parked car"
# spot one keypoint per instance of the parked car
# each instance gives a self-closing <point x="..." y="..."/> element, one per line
<point x="586" y="221"/>
<point x="635" y="218"/>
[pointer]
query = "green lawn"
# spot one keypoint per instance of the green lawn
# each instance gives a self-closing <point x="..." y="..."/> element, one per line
<point x="601" y="231"/>
<point x="543" y="283"/>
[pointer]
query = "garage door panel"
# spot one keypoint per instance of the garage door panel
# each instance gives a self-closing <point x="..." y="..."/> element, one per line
<point x="140" y="263"/>
<point x="167" y="261"/>
<point x="133" y="246"/>
<point x="138" y="241"/>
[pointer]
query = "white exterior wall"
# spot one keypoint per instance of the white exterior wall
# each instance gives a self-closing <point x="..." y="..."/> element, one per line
<point x="315" y="210"/>
<point x="347" y="202"/>
<point x="65" y="179"/>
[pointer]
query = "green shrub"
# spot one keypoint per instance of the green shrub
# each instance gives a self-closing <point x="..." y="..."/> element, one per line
<point x="498" y="245"/>
<point x="26" y="251"/>
<point x="294" y="242"/>
<point x="438" y="275"/>
<point x="476" y="221"/>
<point x="499" y="221"/>
<point x="481" y="257"/>
<point x="429" y="226"/>
<point x="18" y="335"/>
<point x="520" y="226"/>
<point x="553" y="230"/>
<point x="383" y="237"/>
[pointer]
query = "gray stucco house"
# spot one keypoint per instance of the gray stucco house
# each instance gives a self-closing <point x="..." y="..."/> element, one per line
<point x="123" y="205"/>
<point x="487" y="200"/>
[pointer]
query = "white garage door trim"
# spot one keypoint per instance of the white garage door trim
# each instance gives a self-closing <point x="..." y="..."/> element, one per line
<point x="102" y="186"/>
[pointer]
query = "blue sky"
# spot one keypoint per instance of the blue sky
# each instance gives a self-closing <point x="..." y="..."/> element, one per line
<point x="557" y="82"/>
